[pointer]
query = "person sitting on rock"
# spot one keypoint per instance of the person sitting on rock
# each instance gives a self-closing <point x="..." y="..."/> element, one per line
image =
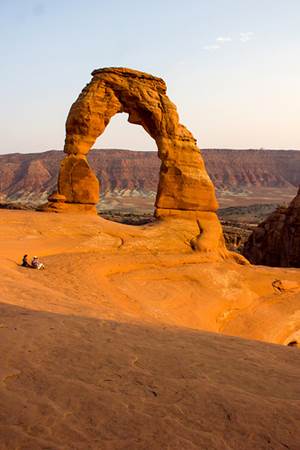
<point x="25" y="262"/>
<point x="37" y="264"/>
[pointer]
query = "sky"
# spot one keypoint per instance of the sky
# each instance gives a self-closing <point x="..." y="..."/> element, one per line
<point x="232" y="68"/>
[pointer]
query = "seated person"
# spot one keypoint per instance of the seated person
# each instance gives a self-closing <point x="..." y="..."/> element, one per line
<point x="37" y="264"/>
<point x="25" y="262"/>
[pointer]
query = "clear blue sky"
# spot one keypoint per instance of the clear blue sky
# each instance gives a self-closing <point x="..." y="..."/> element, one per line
<point x="232" y="67"/>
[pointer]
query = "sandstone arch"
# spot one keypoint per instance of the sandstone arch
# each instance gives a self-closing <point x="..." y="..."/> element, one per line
<point x="185" y="190"/>
<point x="184" y="184"/>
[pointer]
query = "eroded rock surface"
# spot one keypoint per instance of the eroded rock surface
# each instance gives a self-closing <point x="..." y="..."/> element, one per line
<point x="276" y="241"/>
<point x="183" y="182"/>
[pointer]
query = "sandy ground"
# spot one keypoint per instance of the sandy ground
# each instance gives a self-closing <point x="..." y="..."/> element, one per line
<point x="114" y="345"/>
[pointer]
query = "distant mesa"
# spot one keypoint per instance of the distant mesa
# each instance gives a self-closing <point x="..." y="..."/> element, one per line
<point x="241" y="177"/>
<point x="276" y="241"/>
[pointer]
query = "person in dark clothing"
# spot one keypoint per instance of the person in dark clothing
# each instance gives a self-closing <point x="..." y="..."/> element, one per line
<point x="25" y="262"/>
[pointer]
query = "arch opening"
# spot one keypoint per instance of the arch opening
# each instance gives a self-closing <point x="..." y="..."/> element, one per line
<point x="121" y="134"/>
<point x="128" y="174"/>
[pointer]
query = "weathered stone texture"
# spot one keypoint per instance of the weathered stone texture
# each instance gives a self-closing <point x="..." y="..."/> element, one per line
<point x="76" y="181"/>
<point x="183" y="183"/>
<point x="276" y="241"/>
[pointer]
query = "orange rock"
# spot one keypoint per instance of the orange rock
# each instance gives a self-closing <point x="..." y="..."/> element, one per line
<point x="55" y="197"/>
<point x="77" y="182"/>
<point x="185" y="190"/>
<point x="183" y="183"/>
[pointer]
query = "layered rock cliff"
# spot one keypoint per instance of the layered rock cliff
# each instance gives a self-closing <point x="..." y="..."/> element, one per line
<point x="276" y="241"/>
<point x="253" y="168"/>
<point x="32" y="176"/>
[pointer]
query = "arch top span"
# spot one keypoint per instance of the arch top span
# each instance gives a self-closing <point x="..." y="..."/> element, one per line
<point x="131" y="73"/>
<point x="184" y="184"/>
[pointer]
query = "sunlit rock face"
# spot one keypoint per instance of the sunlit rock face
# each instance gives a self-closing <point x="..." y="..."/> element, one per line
<point x="183" y="182"/>
<point x="185" y="191"/>
<point x="276" y="241"/>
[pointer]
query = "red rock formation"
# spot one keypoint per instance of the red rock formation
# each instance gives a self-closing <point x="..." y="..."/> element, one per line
<point x="77" y="182"/>
<point x="183" y="181"/>
<point x="276" y="241"/>
<point x="184" y="191"/>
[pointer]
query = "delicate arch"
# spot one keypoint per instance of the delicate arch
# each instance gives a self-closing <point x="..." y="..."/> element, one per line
<point x="183" y="181"/>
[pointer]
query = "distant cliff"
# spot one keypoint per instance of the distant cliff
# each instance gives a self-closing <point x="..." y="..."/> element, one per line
<point x="276" y="241"/>
<point x="246" y="168"/>
<point x="30" y="177"/>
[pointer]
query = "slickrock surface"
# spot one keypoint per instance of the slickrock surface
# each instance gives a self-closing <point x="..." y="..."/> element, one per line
<point x="86" y="383"/>
<point x="276" y="241"/>
<point x="183" y="181"/>
<point x="145" y="271"/>
<point x="105" y="349"/>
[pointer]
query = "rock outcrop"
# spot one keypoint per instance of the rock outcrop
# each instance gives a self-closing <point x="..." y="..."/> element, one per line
<point x="276" y="241"/>
<point x="184" y="184"/>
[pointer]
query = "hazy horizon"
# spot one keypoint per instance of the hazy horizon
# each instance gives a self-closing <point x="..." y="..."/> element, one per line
<point x="231" y="69"/>
<point x="147" y="151"/>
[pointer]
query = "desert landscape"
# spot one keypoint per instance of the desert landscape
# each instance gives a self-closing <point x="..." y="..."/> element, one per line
<point x="149" y="336"/>
<point x="250" y="184"/>
<point x="120" y="343"/>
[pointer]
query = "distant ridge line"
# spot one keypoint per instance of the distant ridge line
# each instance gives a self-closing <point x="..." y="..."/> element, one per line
<point x="30" y="176"/>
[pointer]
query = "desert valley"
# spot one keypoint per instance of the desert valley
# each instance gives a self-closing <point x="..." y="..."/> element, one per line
<point x="160" y="335"/>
